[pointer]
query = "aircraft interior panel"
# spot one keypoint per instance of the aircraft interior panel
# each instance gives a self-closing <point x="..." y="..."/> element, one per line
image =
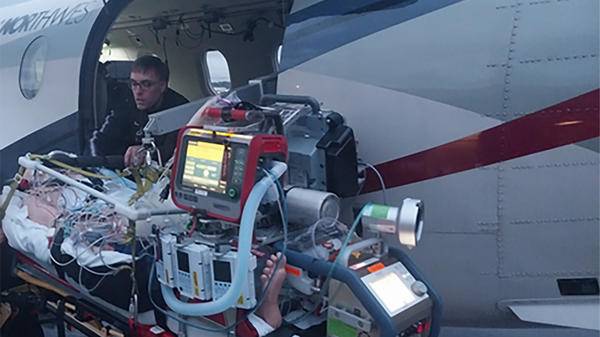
<point x="182" y="32"/>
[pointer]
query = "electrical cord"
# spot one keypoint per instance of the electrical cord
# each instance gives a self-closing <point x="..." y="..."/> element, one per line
<point x="381" y="182"/>
<point x="78" y="255"/>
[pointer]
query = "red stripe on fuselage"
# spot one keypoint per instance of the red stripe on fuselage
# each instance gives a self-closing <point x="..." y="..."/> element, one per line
<point x="565" y="123"/>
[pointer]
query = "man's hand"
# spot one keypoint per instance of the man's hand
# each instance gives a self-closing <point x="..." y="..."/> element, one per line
<point x="134" y="156"/>
<point x="5" y="313"/>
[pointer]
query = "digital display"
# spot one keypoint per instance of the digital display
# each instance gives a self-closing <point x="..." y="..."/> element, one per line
<point x="391" y="292"/>
<point x="222" y="271"/>
<point x="183" y="261"/>
<point x="204" y="166"/>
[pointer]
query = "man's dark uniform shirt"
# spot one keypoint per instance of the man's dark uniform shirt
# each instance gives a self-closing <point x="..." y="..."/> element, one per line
<point x="123" y="128"/>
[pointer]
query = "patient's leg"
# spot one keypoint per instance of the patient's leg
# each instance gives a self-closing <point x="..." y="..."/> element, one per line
<point x="269" y="310"/>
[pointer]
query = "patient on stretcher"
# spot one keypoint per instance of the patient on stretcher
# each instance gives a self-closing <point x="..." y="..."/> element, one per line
<point x="91" y="230"/>
<point x="90" y="245"/>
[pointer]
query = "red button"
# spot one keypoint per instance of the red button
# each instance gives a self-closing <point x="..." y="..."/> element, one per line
<point x="420" y="328"/>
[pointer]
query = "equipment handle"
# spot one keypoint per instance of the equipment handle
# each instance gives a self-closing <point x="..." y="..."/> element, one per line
<point x="310" y="101"/>
<point x="359" y="289"/>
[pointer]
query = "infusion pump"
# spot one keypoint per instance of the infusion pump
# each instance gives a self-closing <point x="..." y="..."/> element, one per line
<point x="198" y="272"/>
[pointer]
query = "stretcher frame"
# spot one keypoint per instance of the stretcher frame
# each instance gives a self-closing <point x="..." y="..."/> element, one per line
<point x="72" y="306"/>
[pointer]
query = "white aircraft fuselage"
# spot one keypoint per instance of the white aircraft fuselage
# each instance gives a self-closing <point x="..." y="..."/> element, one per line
<point x="486" y="110"/>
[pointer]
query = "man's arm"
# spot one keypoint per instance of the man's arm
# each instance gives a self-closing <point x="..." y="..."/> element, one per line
<point x="167" y="146"/>
<point x="166" y="143"/>
<point x="111" y="139"/>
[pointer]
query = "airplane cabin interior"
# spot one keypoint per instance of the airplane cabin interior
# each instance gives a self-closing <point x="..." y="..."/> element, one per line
<point x="242" y="39"/>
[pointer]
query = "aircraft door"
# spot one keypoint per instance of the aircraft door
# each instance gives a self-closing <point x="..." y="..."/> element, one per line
<point x="43" y="44"/>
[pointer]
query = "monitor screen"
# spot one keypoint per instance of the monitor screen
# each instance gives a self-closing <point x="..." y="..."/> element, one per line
<point x="204" y="166"/>
<point x="391" y="292"/>
<point x="222" y="271"/>
<point x="183" y="261"/>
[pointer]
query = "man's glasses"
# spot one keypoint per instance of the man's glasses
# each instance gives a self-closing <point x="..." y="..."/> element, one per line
<point x="145" y="84"/>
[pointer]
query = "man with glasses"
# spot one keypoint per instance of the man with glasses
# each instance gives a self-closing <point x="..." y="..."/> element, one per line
<point x="122" y="131"/>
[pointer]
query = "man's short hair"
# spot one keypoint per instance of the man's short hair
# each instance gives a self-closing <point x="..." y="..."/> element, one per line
<point x="151" y="62"/>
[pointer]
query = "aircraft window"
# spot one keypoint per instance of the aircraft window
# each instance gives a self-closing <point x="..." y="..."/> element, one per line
<point x="218" y="71"/>
<point x="33" y="64"/>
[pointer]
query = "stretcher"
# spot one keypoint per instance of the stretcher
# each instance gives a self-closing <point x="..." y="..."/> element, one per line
<point x="66" y="297"/>
<point x="69" y="299"/>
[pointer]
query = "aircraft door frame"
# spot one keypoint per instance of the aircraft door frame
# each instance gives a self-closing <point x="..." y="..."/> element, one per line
<point x="89" y="68"/>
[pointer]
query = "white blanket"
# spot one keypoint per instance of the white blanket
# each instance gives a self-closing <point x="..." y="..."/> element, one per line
<point x="34" y="238"/>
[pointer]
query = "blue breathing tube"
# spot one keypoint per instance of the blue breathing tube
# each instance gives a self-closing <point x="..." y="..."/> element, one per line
<point x="230" y="297"/>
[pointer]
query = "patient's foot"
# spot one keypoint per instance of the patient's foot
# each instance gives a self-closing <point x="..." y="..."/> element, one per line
<point x="269" y="310"/>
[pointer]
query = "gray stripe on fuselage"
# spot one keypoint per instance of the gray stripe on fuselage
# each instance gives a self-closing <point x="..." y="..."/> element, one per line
<point x="328" y="25"/>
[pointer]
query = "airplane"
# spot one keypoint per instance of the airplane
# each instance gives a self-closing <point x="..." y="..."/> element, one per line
<point x="488" y="110"/>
